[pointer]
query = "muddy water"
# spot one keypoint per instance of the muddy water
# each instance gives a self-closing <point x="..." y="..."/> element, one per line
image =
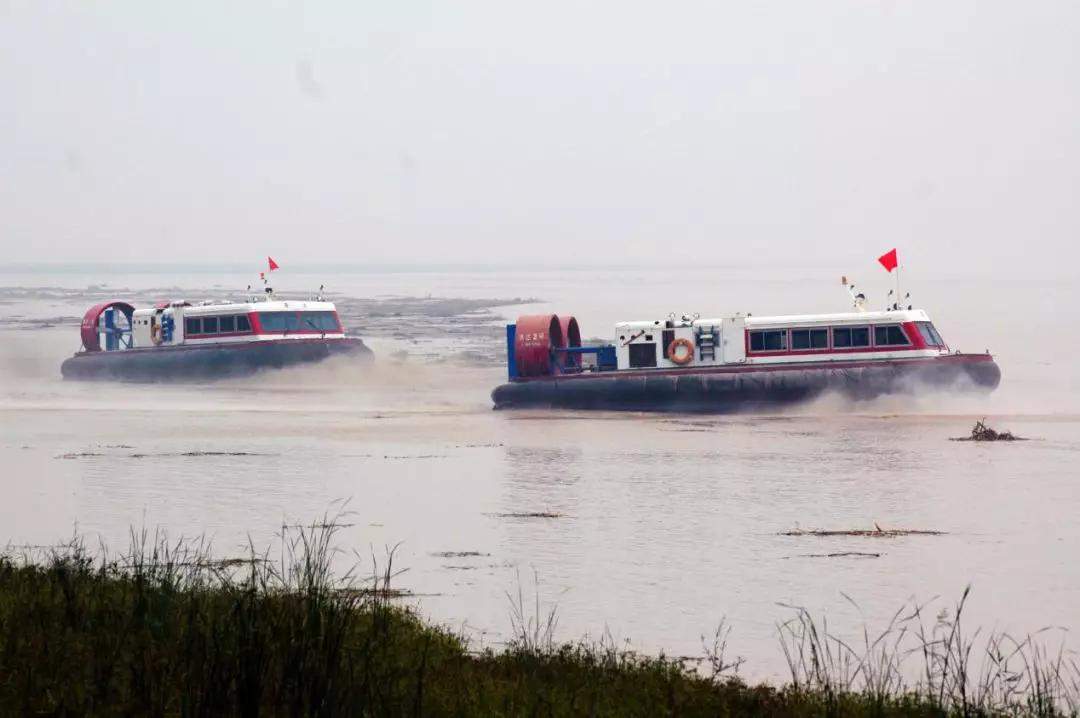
<point x="660" y="525"/>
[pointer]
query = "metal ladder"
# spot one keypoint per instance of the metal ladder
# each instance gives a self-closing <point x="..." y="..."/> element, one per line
<point x="706" y="343"/>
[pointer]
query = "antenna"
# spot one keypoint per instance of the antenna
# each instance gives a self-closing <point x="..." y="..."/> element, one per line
<point x="858" y="299"/>
<point x="897" y="305"/>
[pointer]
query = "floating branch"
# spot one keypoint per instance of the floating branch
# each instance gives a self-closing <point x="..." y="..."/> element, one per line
<point x="982" y="432"/>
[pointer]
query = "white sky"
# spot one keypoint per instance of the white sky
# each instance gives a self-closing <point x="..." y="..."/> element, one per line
<point x="556" y="132"/>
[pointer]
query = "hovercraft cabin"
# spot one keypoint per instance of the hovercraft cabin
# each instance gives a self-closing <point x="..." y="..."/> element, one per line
<point x="771" y="340"/>
<point x="183" y="323"/>
<point x="747" y="340"/>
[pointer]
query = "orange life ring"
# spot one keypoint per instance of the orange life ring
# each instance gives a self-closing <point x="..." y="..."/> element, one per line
<point x="674" y="355"/>
<point x="155" y="333"/>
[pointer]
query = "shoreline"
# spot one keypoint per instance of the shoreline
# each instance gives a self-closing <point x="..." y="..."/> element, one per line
<point x="168" y="629"/>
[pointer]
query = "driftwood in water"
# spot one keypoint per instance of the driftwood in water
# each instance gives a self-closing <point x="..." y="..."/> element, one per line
<point x="529" y="515"/>
<point x="982" y="432"/>
<point x="876" y="532"/>
<point x="838" y="554"/>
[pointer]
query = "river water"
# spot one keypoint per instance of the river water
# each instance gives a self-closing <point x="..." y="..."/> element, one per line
<point x="665" y="524"/>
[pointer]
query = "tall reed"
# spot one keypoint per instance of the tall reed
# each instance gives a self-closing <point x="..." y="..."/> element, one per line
<point x="166" y="629"/>
<point x="935" y="663"/>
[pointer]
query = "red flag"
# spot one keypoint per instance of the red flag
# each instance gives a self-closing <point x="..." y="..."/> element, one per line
<point x="274" y="265"/>
<point x="889" y="260"/>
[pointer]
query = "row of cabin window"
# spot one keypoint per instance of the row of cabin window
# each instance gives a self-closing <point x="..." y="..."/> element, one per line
<point x="299" y="321"/>
<point x="196" y="326"/>
<point x="776" y="340"/>
<point x="270" y="322"/>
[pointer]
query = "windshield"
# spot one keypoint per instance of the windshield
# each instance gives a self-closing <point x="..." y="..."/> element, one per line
<point x="321" y="321"/>
<point x="930" y="334"/>
<point x="299" y="321"/>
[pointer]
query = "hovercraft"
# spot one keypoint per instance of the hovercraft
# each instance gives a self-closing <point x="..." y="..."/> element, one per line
<point x="734" y="363"/>
<point x="179" y="340"/>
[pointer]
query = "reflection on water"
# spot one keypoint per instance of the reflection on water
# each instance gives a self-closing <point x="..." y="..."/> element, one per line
<point x="655" y="526"/>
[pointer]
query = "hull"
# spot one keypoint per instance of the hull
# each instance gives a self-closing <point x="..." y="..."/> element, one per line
<point x="206" y="362"/>
<point x="746" y="387"/>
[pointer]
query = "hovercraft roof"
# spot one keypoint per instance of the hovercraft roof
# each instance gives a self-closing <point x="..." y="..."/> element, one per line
<point x="270" y="306"/>
<point x="854" y="318"/>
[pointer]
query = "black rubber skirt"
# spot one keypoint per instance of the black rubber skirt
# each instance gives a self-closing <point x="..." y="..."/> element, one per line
<point x="726" y="389"/>
<point x="201" y="363"/>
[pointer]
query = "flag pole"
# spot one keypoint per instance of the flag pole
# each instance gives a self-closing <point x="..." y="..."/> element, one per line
<point x="898" y="299"/>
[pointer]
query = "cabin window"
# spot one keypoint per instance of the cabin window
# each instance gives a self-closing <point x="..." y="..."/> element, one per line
<point x="228" y="324"/>
<point x="768" y="341"/>
<point x="210" y="325"/>
<point x="192" y="326"/>
<point x="809" y="339"/>
<point x="272" y="321"/>
<point x="890" y="336"/>
<point x="929" y="334"/>
<point x="850" y="337"/>
<point x="320" y="321"/>
<point x="642" y="355"/>
<point x="279" y="321"/>
<point x="242" y="323"/>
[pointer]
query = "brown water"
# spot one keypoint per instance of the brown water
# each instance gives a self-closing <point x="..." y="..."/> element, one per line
<point x="666" y="523"/>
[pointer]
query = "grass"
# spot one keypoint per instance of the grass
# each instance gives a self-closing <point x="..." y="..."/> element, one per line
<point x="167" y="630"/>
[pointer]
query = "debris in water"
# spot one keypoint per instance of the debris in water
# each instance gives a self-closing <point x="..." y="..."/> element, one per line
<point x="387" y="593"/>
<point x="529" y="515"/>
<point x="838" y="554"/>
<point x="876" y="532"/>
<point x="232" y="562"/>
<point x="196" y="454"/>
<point x="415" y="456"/>
<point x="79" y="455"/>
<point x="982" y="432"/>
<point x="458" y="554"/>
<point x="221" y="563"/>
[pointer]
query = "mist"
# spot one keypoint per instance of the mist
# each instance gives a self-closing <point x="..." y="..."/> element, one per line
<point x="775" y="133"/>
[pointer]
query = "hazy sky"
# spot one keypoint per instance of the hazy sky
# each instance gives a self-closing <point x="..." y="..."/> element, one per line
<point x="717" y="132"/>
